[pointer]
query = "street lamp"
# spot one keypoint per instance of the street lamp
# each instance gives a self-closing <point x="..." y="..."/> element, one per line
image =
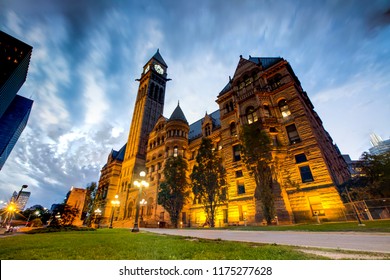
<point x="20" y="192"/>
<point x="11" y="209"/>
<point x="139" y="184"/>
<point x="114" y="204"/>
<point x="98" y="212"/>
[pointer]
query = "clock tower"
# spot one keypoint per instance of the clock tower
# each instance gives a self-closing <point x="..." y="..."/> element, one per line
<point x="149" y="106"/>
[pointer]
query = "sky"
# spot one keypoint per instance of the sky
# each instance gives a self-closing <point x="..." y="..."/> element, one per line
<point x="88" y="53"/>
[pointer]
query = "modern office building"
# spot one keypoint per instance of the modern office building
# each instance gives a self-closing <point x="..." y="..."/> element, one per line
<point x="14" y="109"/>
<point x="379" y="146"/>
<point x="307" y="165"/>
<point x="21" y="202"/>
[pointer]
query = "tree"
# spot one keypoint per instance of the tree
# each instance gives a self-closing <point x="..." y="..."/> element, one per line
<point x="64" y="215"/>
<point x="208" y="179"/>
<point x="256" y="154"/>
<point x="89" y="203"/>
<point x="376" y="170"/>
<point x="173" y="191"/>
<point x="374" y="179"/>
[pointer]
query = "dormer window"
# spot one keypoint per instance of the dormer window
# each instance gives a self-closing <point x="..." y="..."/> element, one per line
<point x="207" y="130"/>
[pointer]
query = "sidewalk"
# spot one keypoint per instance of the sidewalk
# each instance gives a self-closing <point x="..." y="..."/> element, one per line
<point x="356" y="241"/>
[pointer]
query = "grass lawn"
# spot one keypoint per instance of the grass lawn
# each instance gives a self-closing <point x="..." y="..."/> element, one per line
<point x="370" y="226"/>
<point x="121" y="244"/>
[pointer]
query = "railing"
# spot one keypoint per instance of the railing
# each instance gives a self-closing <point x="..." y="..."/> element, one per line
<point x="373" y="209"/>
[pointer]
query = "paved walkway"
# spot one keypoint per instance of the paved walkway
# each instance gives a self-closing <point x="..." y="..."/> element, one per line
<point x="368" y="242"/>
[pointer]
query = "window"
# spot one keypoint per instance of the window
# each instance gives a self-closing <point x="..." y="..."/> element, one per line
<point x="251" y="116"/>
<point x="300" y="158"/>
<point x="229" y="107"/>
<point x="292" y="133"/>
<point x="207" y="130"/>
<point x="240" y="187"/>
<point x="236" y="153"/>
<point x="306" y="174"/>
<point x="283" y="107"/>
<point x="239" y="173"/>
<point x="267" y="111"/>
<point x="275" y="81"/>
<point x="233" y="129"/>
<point x="175" y="151"/>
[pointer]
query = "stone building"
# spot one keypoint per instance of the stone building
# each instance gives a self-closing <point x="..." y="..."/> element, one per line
<point x="76" y="199"/>
<point x="307" y="164"/>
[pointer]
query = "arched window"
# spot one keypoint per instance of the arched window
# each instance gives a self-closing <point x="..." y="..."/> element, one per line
<point x="233" y="129"/>
<point x="151" y="90"/>
<point x="229" y="106"/>
<point x="175" y="151"/>
<point x="155" y="93"/>
<point x="267" y="111"/>
<point x="161" y="96"/>
<point x="251" y="115"/>
<point x="283" y="107"/>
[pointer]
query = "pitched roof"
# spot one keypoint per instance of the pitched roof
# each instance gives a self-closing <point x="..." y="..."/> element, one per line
<point x="196" y="127"/>
<point x="119" y="155"/>
<point x="265" y="62"/>
<point x="178" y="115"/>
<point x="157" y="56"/>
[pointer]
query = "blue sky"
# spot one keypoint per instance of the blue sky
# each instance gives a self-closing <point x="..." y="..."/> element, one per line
<point x="87" y="55"/>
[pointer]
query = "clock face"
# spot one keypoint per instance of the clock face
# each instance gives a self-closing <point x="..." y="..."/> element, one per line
<point x="159" y="69"/>
<point x="147" y="68"/>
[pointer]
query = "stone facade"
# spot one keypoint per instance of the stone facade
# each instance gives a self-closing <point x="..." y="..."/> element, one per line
<point x="76" y="200"/>
<point x="306" y="166"/>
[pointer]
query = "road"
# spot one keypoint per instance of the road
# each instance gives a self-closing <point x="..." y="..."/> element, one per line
<point x="368" y="242"/>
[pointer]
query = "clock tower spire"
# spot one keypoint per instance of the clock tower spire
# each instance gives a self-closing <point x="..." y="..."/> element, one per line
<point x="149" y="106"/>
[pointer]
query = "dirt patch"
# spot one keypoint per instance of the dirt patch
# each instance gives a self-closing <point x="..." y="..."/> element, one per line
<point x="346" y="256"/>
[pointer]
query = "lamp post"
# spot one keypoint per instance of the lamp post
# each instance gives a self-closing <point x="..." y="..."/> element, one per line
<point x="20" y="192"/>
<point x="114" y="204"/>
<point x="140" y="184"/>
<point x="97" y="212"/>
<point x="11" y="209"/>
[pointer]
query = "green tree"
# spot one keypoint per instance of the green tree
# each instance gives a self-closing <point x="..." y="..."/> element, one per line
<point x="89" y="203"/>
<point x="256" y="154"/>
<point x="64" y="215"/>
<point x="208" y="179"/>
<point x="173" y="191"/>
<point x="374" y="179"/>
